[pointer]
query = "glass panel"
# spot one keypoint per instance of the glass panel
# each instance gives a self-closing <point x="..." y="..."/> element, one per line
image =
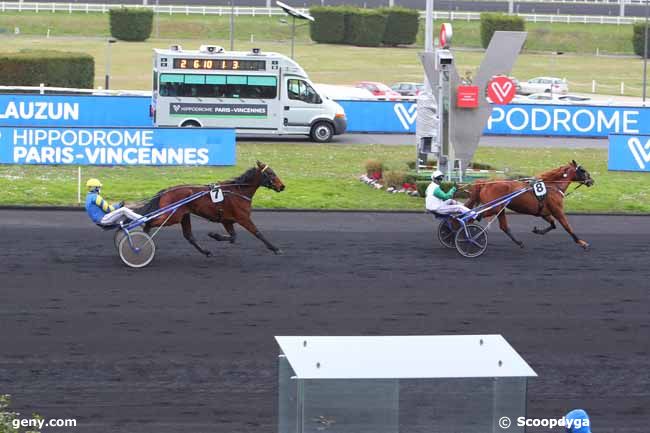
<point x="510" y="401"/>
<point x="350" y="406"/>
<point x="215" y="79"/>
<point x="195" y="79"/>
<point x="171" y="78"/>
<point x="287" y="397"/>
<point x="262" y="81"/>
<point x="236" y="79"/>
<point x="458" y="405"/>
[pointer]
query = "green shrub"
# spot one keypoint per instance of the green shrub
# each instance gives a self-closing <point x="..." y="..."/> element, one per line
<point x="422" y="187"/>
<point x="52" y="68"/>
<point x="401" y="26"/>
<point x="638" y="33"/>
<point x="491" y="22"/>
<point x="365" y="27"/>
<point x="328" y="26"/>
<point x="7" y="417"/>
<point x="131" y="24"/>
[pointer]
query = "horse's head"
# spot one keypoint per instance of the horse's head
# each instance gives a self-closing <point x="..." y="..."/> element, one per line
<point x="269" y="178"/>
<point x="580" y="174"/>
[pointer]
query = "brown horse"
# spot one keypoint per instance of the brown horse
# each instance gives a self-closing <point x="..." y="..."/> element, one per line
<point x="235" y="208"/>
<point x="550" y="208"/>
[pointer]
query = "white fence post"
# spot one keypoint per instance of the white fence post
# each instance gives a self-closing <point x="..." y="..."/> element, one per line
<point x="593" y="86"/>
<point x="622" y="87"/>
<point x="42" y="89"/>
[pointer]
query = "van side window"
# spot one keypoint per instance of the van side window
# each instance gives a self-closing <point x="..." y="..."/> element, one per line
<point x="218" y="86"/>
<point x="300" y="90"/>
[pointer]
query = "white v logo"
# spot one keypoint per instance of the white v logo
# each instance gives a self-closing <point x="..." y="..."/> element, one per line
<point x="406" y="116"/>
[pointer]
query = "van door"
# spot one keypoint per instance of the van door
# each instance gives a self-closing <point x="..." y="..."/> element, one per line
<point x="302" y="104"/>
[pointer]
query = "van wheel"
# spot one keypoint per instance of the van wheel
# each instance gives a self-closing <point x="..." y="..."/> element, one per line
<point x="321" y="132"/>
<point x="190" y="124"/>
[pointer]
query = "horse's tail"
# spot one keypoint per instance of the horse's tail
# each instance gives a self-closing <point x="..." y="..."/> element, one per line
<point x="152" y="205"/>
<point x="474" y="194"/>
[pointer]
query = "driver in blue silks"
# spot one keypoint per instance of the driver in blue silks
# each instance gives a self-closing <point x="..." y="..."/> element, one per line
<point x="102" y="213"/>
<point x="578" y="420"/>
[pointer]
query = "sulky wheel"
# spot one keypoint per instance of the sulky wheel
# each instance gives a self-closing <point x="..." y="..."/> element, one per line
<point x="139" y="252"/>
<point x="447" y="233"/>
<point x="120" y="234"/>
<point x="471" y="241"/>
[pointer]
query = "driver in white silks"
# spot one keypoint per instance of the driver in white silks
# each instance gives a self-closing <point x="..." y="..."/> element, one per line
<point x="439" y="201"/>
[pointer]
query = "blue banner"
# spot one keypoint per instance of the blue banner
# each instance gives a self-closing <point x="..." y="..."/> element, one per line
<point x="567" y="120"/>
<point x="363" y="116"/>
<point x="117" y="146"/>
<point x="74" y="110"/>
<point x="629" y="153"/>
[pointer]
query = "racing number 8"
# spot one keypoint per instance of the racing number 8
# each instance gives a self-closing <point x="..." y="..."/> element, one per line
<point x="540" y="189"/>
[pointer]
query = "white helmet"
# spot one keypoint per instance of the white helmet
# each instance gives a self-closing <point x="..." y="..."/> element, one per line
<point x="436" y="174"/>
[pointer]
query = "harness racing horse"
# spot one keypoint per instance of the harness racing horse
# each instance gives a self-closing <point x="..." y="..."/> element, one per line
<point x="551" y="208"/>
<point x="235" y="208"/>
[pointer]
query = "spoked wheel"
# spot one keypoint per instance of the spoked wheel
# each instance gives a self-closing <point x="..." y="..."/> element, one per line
<point x="139" y="252"/>
<point x="447" y="233"/>
<point x="120" y="234"/>
<point x="471" y="241"/>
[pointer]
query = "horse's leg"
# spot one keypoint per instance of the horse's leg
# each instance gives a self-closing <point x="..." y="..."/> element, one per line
<point x="550" y="220"/>
<point x="503" y="224"/>
<point x="230" y="228"/>
<point x="186" y="224"/>
<point x="250" y="226"/>
<point x="562" y="219"/>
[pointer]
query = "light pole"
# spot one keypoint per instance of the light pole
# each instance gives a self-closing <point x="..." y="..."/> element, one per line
<point x="109" y="42"/>
<point x="232" y="25"/>
<point x="645" y="52"/>
<point x="157" y="19"/>
<point x="428" y="38"/>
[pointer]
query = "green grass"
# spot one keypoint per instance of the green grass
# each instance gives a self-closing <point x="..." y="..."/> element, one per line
<point x="323" y="177"/>
<point x="332" y="64"/>
<point x="575" y="38"/>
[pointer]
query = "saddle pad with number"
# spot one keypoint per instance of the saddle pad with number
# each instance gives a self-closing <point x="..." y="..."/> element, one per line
<point x="216" y="195"/>
<point x="539" y="188"/>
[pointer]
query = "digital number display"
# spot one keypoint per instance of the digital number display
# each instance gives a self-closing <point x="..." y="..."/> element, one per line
<point x="220" y="64"/>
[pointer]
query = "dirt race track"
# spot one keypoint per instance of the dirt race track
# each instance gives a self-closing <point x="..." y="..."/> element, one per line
<point x="187" y="343"/>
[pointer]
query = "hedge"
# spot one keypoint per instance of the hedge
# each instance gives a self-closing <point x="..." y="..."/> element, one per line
<point x="365" y="27"/>
<point x="53" y="68"/>
<point x="491" y="22"/>
<point x="131" y="24"/>
<point x="637" y="39"/>
<point x="401" y="26"/>
<point x="328" y="26"/>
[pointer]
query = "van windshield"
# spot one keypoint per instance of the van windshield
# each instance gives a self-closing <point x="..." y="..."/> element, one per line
<point x="218" y="86"/>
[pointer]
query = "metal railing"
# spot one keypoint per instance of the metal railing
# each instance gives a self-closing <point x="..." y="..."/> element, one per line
<point x="264" y="11"/>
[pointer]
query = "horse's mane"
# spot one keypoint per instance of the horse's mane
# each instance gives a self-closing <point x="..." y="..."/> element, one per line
<point x="553" y="174"/>
<point x="154" y="203"/>
<point x="246" y="177"/>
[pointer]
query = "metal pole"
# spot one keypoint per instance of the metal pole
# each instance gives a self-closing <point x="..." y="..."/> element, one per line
<point x="428" y="38"/>
<point x="645" y="52"/>
<point x="293" y="34"/>
<point x="232" y="25"/>
<point x="157" y="19"/>
<point x="108" y="65"/>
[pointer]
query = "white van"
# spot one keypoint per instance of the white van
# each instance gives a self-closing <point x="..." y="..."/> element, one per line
<point x="257" y="93"/>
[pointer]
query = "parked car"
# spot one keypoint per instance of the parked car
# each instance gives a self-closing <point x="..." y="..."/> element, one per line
<point x="408" y="89"/>
<point x="379" y="90"/>
<point x="544" y="85"/>
<point x="575" y="99"/>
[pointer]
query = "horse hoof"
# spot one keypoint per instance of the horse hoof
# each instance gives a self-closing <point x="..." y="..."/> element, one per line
<point x="521" y="244"/>
<point x="208" y="254"/>
<point x="278" y="252"/>
<point x="536" y="231"/>
<point x="585" y="245"/>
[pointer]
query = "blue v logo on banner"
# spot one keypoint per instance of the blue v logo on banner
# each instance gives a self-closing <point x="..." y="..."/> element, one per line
<point x="629" y="153"/>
